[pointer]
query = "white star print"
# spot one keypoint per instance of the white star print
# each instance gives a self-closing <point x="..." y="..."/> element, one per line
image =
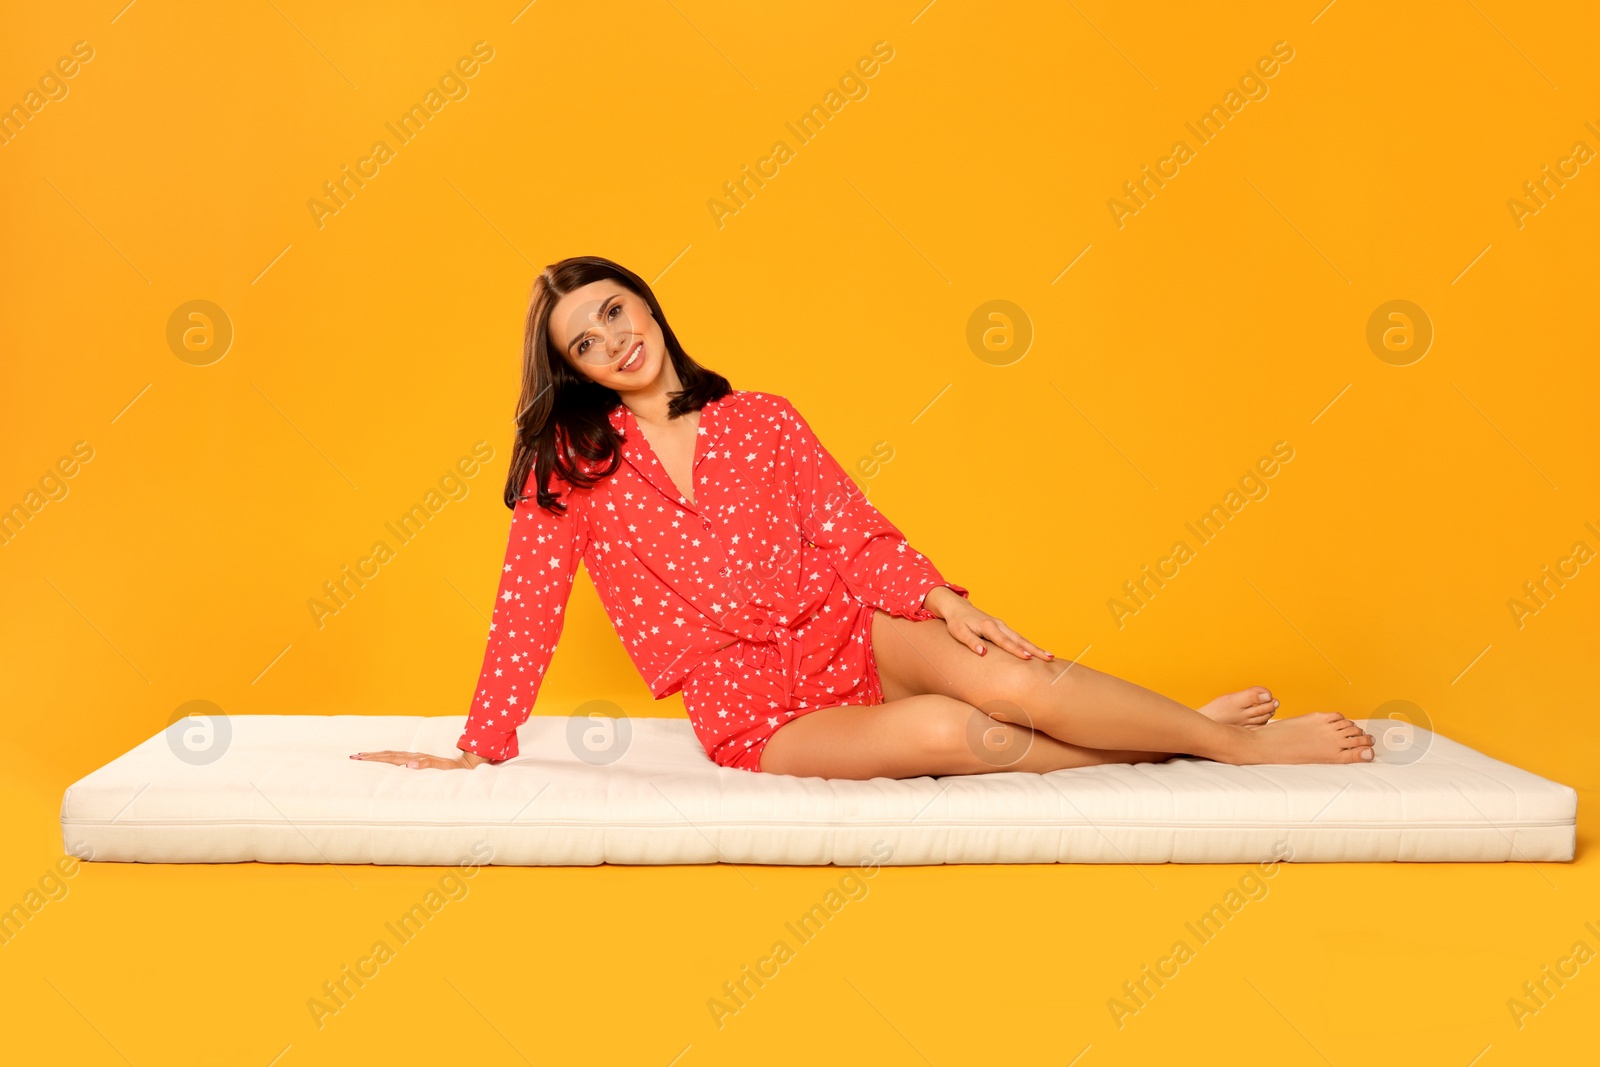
<point x="789" y="529"/>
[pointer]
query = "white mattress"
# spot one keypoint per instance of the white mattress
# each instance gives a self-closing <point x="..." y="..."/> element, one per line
<point x="284" y="790"/>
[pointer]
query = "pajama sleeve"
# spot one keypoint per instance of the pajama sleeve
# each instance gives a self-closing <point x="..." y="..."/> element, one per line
<point x="873" y="557"/>
<point x="541" y="561"/>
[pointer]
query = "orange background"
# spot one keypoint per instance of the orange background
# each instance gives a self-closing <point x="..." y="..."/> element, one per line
<point x="372" y="351"/>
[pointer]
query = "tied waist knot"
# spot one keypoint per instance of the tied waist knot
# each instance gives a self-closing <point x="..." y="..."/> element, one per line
<point x="768" y="651"/>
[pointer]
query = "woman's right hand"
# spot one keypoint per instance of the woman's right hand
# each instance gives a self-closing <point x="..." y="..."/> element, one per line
<point x="418" y="760"/>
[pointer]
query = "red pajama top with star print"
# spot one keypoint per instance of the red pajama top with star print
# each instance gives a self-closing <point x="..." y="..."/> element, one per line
<point x="755" y="600"/>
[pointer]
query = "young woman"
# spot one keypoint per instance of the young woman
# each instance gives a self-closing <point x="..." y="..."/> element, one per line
<point x="740" y="565"/>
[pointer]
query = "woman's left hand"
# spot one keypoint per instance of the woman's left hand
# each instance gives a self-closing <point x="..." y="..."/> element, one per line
<point x="973" y="627"/>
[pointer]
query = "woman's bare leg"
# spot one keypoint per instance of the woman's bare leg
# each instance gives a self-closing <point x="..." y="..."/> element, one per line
<point x="918" y="735"/>
<point x="1091" y="709"/>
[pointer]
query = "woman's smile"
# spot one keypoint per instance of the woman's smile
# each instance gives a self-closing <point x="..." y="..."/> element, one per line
<point x="634" y="359"/>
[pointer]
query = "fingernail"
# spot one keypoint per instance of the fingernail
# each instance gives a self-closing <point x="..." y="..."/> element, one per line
<point x="980" y="650"/>
<point x="1274" y="703"/>
<point x="1049" y="655"/>
<point x="413" y="763"/>
<point x="1366" y="753"/>
<point x="1026" y="654"/>
<point x="356" y="756"/>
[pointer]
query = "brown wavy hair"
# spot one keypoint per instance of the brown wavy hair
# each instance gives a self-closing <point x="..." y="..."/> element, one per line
<point x="559" y="405"/>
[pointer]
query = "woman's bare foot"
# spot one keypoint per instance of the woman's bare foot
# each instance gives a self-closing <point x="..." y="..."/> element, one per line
<point x="1251" y="707"/>
<point x="1317" y="737"/>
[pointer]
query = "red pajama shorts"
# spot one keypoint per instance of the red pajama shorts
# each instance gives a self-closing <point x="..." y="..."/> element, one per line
<point x="740" y="695"/>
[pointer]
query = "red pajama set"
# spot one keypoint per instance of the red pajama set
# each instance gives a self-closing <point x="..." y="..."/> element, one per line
<point x="755" y="601"/>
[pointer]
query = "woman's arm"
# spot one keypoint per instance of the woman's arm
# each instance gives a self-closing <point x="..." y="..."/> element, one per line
<point x="541" y="561"/>
<point x="415" y="760"/>
<point x="530" y="610"/>
<point x="877" y="563"/>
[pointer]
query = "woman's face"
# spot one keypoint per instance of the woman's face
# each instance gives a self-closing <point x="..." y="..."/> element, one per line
<point x="607" y="333"/>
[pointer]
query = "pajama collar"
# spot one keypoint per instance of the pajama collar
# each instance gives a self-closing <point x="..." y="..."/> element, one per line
<point x="637" y="451"/>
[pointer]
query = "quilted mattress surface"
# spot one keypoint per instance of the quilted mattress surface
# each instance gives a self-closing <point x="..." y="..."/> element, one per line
<point x="282" y="789"/>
